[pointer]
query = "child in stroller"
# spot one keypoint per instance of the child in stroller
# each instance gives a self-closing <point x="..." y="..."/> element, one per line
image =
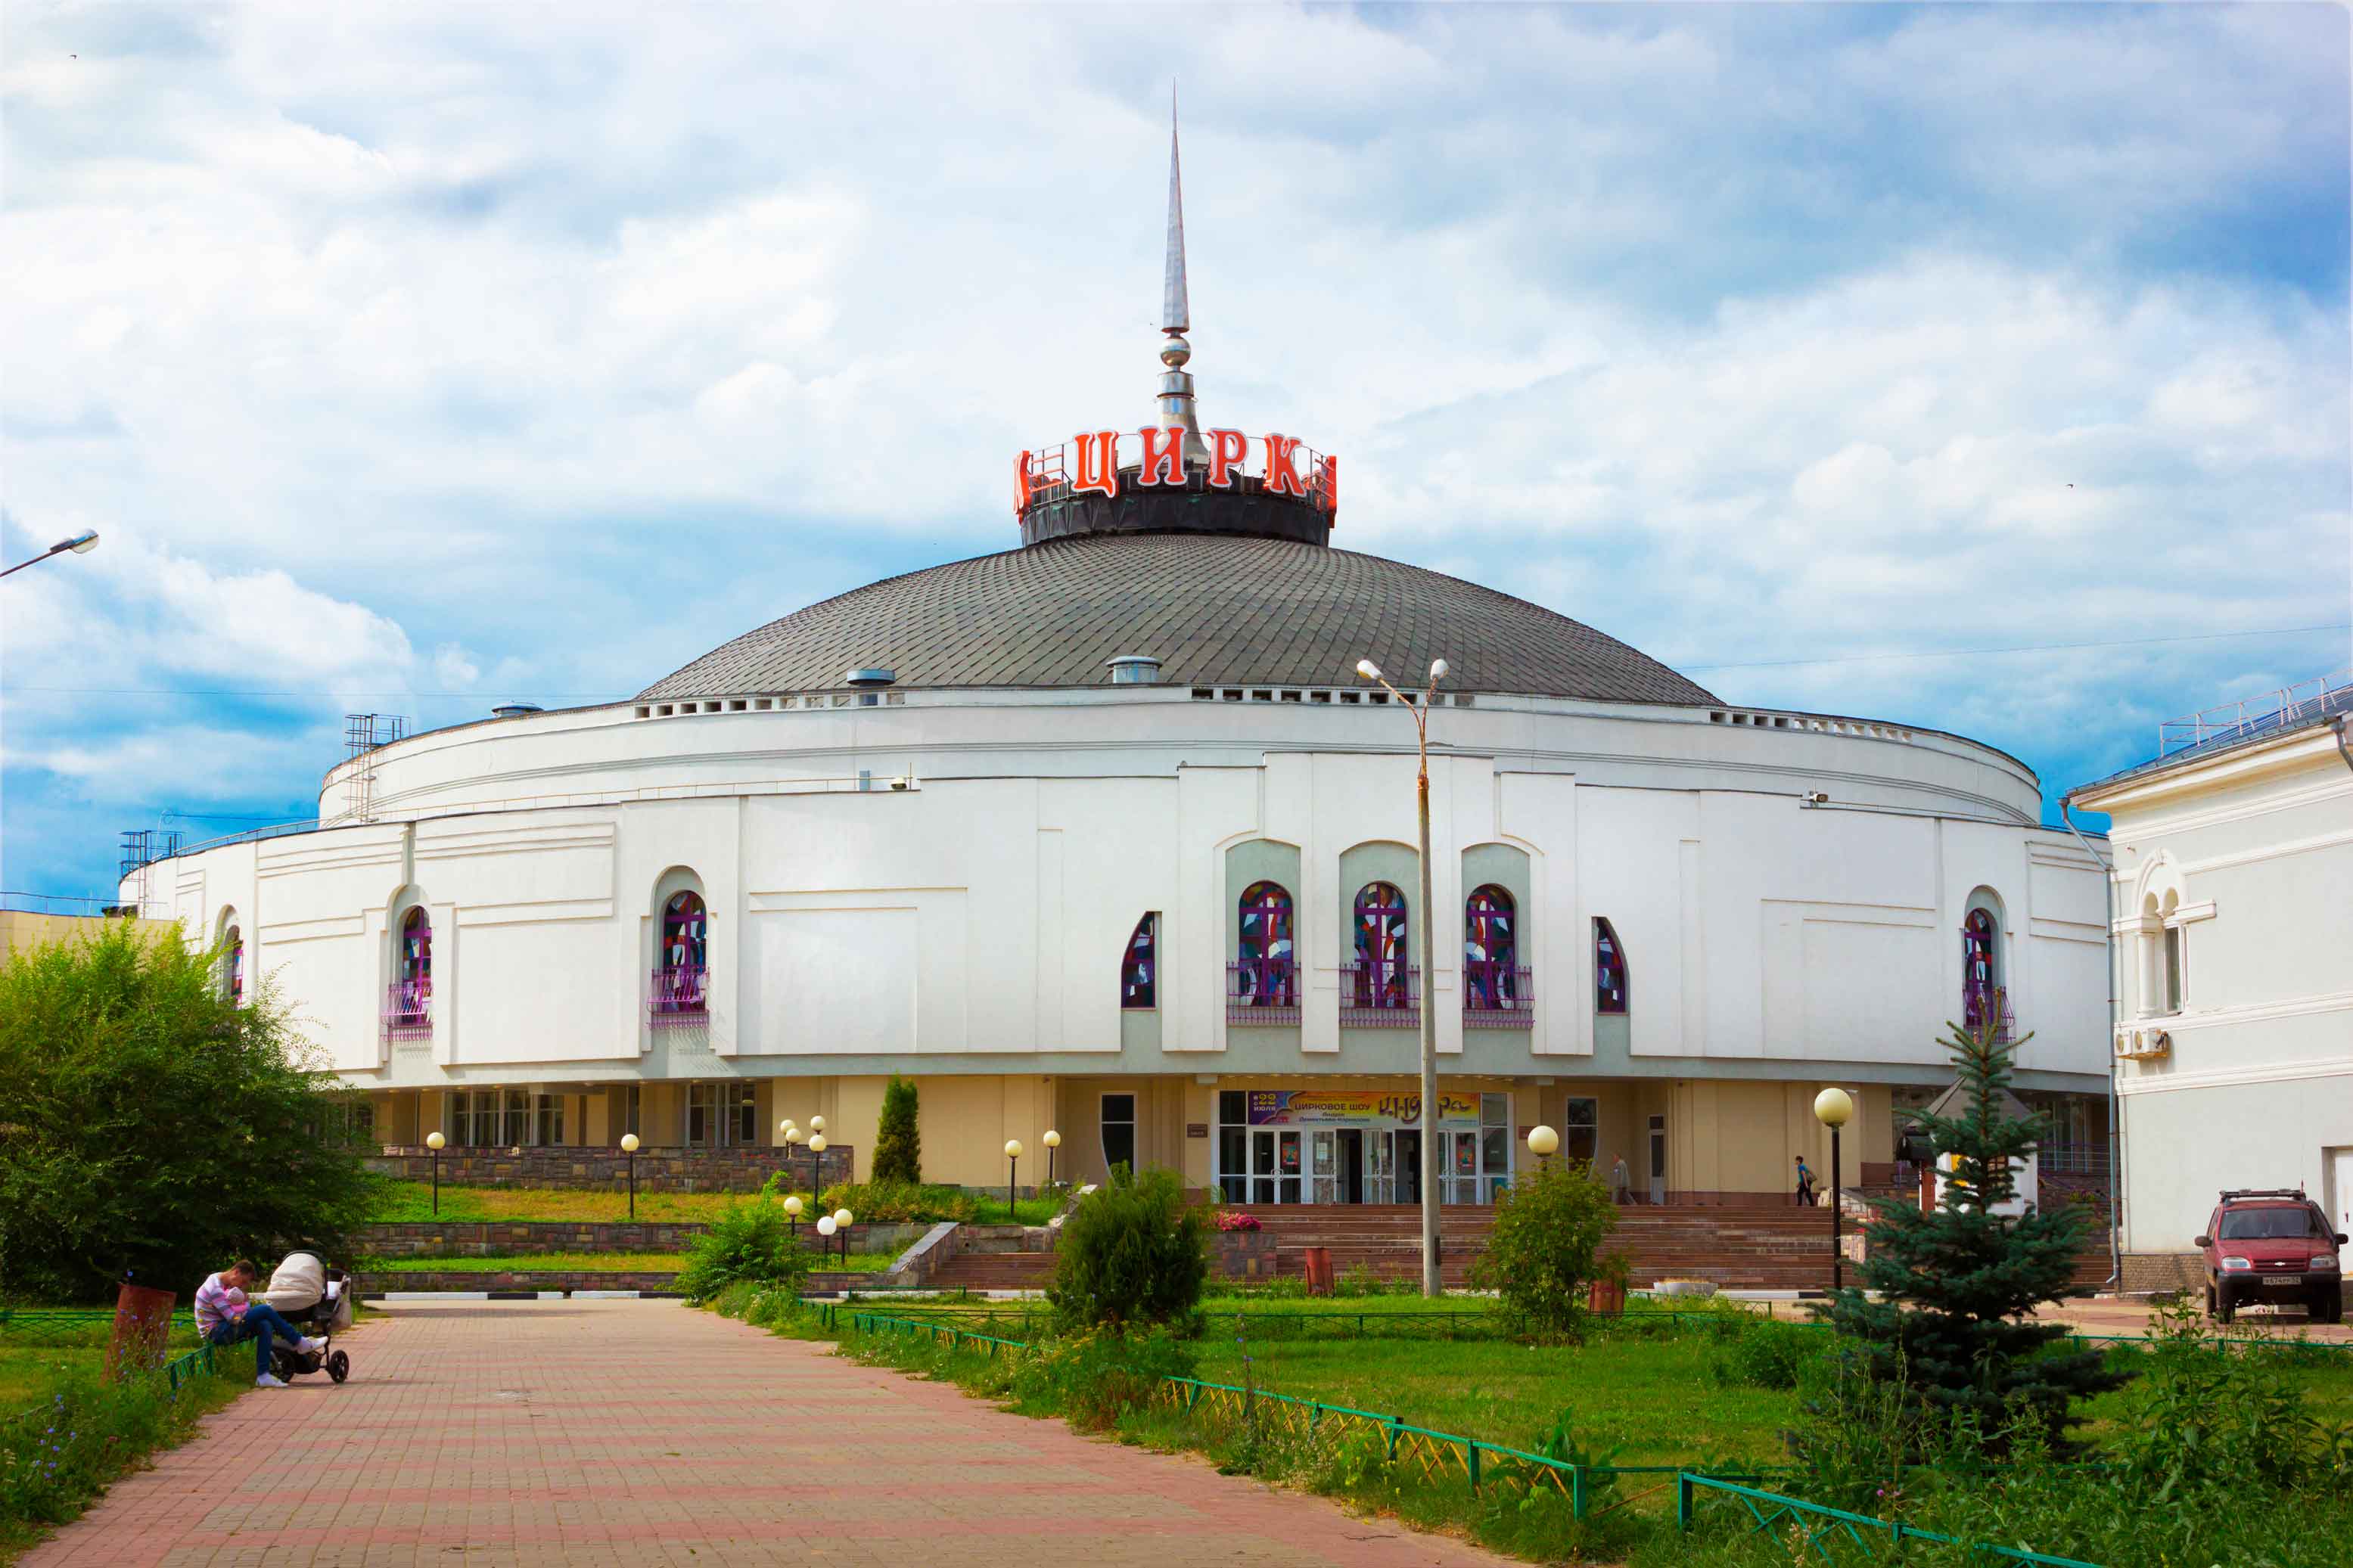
<point x="318" y="1300"/>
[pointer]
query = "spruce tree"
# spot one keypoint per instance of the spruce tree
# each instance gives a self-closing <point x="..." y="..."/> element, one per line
<point x="1955" y="1283"/>
<point x="898" y="1145"/>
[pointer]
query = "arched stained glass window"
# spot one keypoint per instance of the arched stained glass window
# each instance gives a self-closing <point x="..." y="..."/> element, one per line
<point x="1976" y="966"/>
<point x="1138" y="987"/>
<point x="233" y="965"/>
<point x="1263" y="968"/>
<point x="1609" y="969"/>
<point x="1490" y="952"/>
<point x="1381" y="978"/>
<point x="679" y="983"/>
<point x="408" y="1009"/>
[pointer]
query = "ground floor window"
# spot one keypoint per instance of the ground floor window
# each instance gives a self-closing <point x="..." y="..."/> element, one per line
<point x="1580" y="1129"/>
<point x="549" y="1117"/>
<point x="1119" y="1131"/>
<point x="722" y="1115"/>
<point x="490" y="1118"/>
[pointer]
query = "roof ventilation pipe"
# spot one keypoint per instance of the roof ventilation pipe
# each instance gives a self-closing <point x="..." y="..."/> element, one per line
<point x="870" y="676"/>
<point x="1135" y="669"/>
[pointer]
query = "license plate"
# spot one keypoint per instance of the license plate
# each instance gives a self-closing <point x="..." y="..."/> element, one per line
<point x="2283" y="1278"/>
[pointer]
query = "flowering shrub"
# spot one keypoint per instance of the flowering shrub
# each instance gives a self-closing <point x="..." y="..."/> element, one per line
<point x="1234" y="1219"/>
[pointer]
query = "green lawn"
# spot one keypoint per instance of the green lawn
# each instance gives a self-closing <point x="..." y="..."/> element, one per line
<point x="412" y="1202"/>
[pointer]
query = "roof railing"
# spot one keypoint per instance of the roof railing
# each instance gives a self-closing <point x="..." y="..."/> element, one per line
<point x="2280" y="710"/>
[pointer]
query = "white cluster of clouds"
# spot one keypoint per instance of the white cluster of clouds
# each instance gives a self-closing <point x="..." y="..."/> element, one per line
<point x="566" y="344"/>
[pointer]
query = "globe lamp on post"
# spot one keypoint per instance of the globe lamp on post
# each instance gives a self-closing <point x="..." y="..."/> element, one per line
<point x="792" y="1218"/>
<point x="1543" y="1143"/>
<point x="629" y="1147"/>
<point x="1431" y="1258"/>
<point x="816" y="1157"/>
<point x="434" y="1141"/>
<point x="1052" y="1140"/>
<point x="841" y="1218"/>
<point x="1834" y="1107"/>
<point x="1012" y="1165"/>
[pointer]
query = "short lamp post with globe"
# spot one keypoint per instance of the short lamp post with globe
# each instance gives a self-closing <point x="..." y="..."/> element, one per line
<point x="434" y="1141"/>
<point x="1012" y="1168"/>
<point x="1052" y="1140"/>
<point x="1833" y="1108"/>
<point x="792" y="1218"/>
<point x="629" y="1147"/>
<point x="841" y="1223"/>
<point x="1543" y="1142"/>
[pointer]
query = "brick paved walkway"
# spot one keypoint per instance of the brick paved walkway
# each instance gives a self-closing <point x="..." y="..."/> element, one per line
<point x="626" y="1433"/>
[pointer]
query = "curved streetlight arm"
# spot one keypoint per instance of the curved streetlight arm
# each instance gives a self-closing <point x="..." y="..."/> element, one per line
<point x="81" y="543"/>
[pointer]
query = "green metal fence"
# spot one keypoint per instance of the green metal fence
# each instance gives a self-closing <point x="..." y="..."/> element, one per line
<point x="197" y="1362"/>
<point x="1799" y="1527"/>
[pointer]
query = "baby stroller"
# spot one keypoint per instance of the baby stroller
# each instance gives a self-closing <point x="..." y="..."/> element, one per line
<point x="318" y="1300"/>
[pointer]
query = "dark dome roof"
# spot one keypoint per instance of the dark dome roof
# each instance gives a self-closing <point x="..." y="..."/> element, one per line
<point x="1214" y="610"/>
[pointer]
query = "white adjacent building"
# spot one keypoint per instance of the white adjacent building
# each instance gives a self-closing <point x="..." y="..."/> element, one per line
<point x="2233" y="919"/>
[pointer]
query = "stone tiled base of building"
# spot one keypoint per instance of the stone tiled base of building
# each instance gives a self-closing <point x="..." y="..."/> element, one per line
<point x="2147" y="1272"/>
<point x="501" y="1238"/>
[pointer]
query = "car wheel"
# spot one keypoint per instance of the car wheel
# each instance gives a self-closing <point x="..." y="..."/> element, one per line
<point x="2224" y="1309"/>
<point x="339" y="1366"/>
<point x="2329" y="1307"/>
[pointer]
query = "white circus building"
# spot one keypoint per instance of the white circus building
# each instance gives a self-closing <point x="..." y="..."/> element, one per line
<point x="1104" y="835"/>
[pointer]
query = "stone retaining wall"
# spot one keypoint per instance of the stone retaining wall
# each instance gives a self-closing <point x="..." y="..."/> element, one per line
<point x="2147" y="1272"/>
<point x="501" y="1238"/>
<point x="665" y="1169"/>
<point x="370" y="1285"/>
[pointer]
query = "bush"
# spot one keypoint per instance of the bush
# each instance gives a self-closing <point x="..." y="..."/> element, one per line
<point x="1098" y="1376"/>
<point x="749" y="1243"/>
<point x="898" y="1144"/>
<point x="56" y="1456"/>
<point x="1133" y="1253"/>
<point x="1545" y="1249"/>
<point x="901" y="1203"/>
<point x="1767" y="1354"/>
<point x="154" y="1127"/>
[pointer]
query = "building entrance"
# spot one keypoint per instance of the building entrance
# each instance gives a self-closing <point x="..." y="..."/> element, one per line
<point x="1348" y="1147"/>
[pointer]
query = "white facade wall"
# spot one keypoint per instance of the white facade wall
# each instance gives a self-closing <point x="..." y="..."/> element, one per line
<point x="975" y="920"/>
<point x="2247" y="856"/>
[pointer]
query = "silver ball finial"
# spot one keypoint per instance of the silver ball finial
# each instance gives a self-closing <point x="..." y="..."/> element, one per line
<point x="1176" y="352"/>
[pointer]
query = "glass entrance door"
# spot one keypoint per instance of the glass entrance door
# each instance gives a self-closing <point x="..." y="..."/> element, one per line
<point x="1380" y="1165"/>
<point x="1458" y="1161"/>
<point x="1323" y="1166"/>
<point x="1274" y="1165"/>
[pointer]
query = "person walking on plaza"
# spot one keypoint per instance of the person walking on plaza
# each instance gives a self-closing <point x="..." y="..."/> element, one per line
<point x="224" y="1317"/>
<point x="1622" y="1183"/>
<point x="1805" y="1185"/>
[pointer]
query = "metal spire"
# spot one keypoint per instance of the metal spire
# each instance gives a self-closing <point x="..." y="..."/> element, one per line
<point x="1174" y="408"/>
<point x="1173" y="309"/>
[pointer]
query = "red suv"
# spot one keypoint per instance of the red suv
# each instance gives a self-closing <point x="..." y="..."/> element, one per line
<point x="2274" y="1246"/>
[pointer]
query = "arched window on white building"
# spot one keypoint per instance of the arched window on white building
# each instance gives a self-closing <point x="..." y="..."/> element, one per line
<point x="1138" y="982"/>
<point x="231" y="942"/>
<point x="1609" y="985"/>
<point x="408" y="1001"/>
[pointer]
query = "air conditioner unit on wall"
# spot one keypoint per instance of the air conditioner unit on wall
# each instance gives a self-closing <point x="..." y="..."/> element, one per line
<point x="2143" y="1045"/>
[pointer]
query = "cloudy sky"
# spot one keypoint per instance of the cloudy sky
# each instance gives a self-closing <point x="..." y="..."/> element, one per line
<point x="412" y="358"/>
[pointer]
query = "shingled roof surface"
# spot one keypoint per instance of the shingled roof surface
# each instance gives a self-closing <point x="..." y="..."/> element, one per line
<point x="1214" y="609"/>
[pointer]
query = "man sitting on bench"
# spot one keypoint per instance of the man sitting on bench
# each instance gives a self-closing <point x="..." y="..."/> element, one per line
<point x="224" y="1317"/>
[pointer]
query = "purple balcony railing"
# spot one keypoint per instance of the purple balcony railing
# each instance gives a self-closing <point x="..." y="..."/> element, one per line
<point x="409" y="1010"/>
<point x="1497" y="996"/>
<point x="675" y="997"/>
<point x="1981" y="1004"/>
<point x="1380" y="994"/>
<point x="1263" y="991"/>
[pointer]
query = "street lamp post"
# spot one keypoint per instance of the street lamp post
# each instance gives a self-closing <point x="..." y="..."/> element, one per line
<point x="434" y="1141"/>
<point x="1052" y="1140"/>
<point x="81" y="543"/>
<point x="842" y="1219"/>
<point x="629" y="1147"/>
<point x="1542" y="1143"/>
<point x="792" y="1218"/>
<point x="1012" y="1167"/>
<point x="817" y="1156"/>
<point x="1832" y="1109"/>
<point x="1430" y="1283"/>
